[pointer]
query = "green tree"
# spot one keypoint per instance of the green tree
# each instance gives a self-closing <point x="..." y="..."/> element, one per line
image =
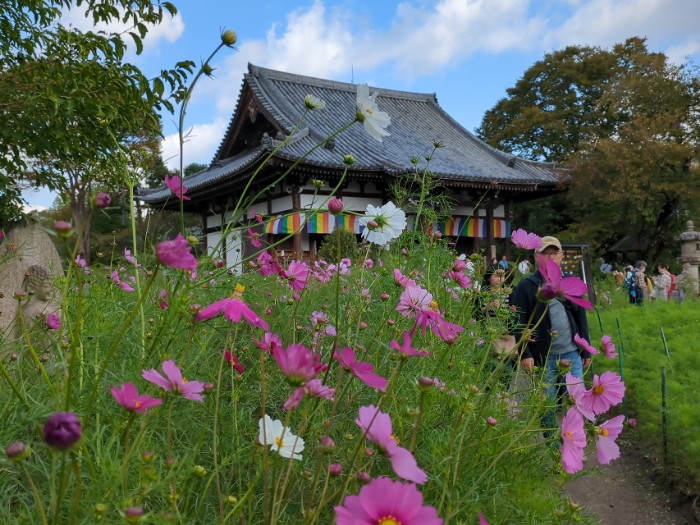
<point x="625" y="123"/>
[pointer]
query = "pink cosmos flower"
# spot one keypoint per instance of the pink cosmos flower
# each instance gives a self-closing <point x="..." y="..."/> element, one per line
<point x="406" y="349"/>
<point x="578" y="393"/>
<point x="83" y="264"/>
<point x="233" y="309"/>
<point x="102" y="200"/>
<point x="313" y="388"/>
<point x="128" y="396"/>
<point x="438" y="325"/>
<point x="414" y="300"/>
<point x="608" y="347"/>
<point x="268" y="265"/>
<point x="462" y="280"/>
<point x="525" y="240"/>
<point x="176" y="254"/>
<point x="383" y="501"/>
<point x="360" y="369"/>
<point x="608" y="390"/>
<point x="128" y="256"/>
<point x="299" y="364"/>
<point x="254" y="238"/>
<point x="177" y="187"/>
<point x="571" y="288"/>
<point x="378" y="429"/>
<point x="399" y="278"/>
<point x="53" y="321"/>
<point x="605" y="436"/>
<point x="297" y="274"/>
<point x="574" y="441"/>
<point x="174" y="382"/>
<point x="270" y="342"/>
<point x="233" y="361"/>
<point x="482" y="519"/>
<point x="583" y="343"/>
<point x="163" y="299"/>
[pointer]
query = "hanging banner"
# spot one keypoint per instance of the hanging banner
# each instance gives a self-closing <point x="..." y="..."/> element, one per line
<point x="348" y="223"/>
<point x="321" y="222"/>
<point x="284" y="224"/>
<point x="476" y="228"/>
<point x="452" y="226"/>
<point x="501" y="228"/>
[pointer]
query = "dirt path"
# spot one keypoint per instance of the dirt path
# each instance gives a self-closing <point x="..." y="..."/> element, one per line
<point x="627" y="492"/>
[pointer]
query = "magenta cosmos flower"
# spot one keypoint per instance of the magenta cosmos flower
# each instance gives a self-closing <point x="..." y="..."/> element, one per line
<point x="378" y="429"/>
<point x="414" y="300"/>
<point x="296" y="275"/>
<point x="176" y="254"/>
<point x="177" y="187"/>
<point x="299" y="364"/>
<point x="128" y="396"/>
<point x="386" y="502"/>
<point x="234" y="310"/>
<point x="579" y="395"/>
<point x="270" y="342"/>
<point x="583" y="343"/>
<point x="571" y="288"/>
<point x="525" y="240"/>
<point x="608" y="347"/>
<point x="313" y="388"/>
<point x="438" y="325"/>
<point x="233" y="361"/>
<point x="605" y="436"/>
<point x="268" y="264"/>
<point x="62" y="430"/>
<point x="360" y="369"/>
<point x="53" y="321"/>
<point x="406" y="349"/>
<point x="574" y="441"/>
<point x="174" y="382"/>
<point x="608" y="390"/>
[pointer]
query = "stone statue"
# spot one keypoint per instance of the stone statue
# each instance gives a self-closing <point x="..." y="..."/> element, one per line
<point x="41" y="298"/>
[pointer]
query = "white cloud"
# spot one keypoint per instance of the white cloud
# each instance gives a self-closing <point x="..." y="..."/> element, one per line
<point x="679" y="54"/>
<point x="201" y="142"/>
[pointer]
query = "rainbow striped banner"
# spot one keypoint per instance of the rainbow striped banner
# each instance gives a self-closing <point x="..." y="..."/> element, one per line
<point x="476" y="228"/>
<point x="451" y="226"/>
<point x="348" y="223"/>
<point x="321" y="222"/>
<point x="501" y="228"/>
<point x="284" y="224"/>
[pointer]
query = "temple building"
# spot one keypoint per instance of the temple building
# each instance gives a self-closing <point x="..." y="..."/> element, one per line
<point x="284" y="160"/>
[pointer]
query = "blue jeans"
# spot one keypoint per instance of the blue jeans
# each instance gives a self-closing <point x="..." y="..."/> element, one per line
<point x="554" y="378"/>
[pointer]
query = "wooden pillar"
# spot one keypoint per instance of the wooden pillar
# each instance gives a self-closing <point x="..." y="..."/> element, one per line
<point x="490" y="243"/>
<point x="296" y="207"/>
<point x="506" y="217"/>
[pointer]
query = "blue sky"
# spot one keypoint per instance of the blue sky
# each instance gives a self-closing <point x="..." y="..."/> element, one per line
<point x="468" y="52"/>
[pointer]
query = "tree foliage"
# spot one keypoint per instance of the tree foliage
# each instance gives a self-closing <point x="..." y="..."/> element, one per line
<point x="71" y="105"/>
<point x="625" y="122"/>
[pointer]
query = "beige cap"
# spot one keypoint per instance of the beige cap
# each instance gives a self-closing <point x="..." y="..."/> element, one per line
<point x="547" y="242"/>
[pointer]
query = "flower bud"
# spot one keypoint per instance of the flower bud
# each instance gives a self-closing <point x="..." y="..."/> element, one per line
<point x="102" y="200"/>
<point x="335" y="469"/>
<point x="207" y="69"/>
<point x="147" y="456"/>
<point x="385" y="296"/>
<point x="133" y="514"/>
<point x="546" y="293"/>
<point x="20" y="295"/>
<point x="492" y="421"/>
<point x="372" y="225"/>
<point x="63" y="228"/>
<point x="17" y="451"/>
<point x="199" y="471"/>
<point x="208" y="387"/>
<point x="348" y="160"/>
<point x="364" y="477"/>
<point x="335" y="205"/>
<point x="425" y="383"/>
<point x="327" y="444"/>
<point x="232" y="500"/>
<point x="229" y="37"/>
<point x="62" y="430"/>
<point x="100" y="509"/>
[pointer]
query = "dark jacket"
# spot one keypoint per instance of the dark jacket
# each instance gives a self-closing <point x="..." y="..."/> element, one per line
<point x="533" y="312"/>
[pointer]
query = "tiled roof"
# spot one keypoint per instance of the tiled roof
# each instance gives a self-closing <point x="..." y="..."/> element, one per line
<point x="417" y="123"/>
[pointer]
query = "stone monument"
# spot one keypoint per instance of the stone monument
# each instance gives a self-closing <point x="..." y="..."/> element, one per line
<point x="690" y="255"/>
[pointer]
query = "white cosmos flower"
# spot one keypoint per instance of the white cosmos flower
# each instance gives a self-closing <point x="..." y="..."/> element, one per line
<point x="374" y="120"/>
<point x="280" y="438"/>
<point x="383" y="224"/>
<point x="313" y="102"/>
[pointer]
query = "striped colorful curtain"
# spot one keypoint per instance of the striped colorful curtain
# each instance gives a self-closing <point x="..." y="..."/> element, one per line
<point x="476" y="227"/>
<point x="452" y="226"/>
<point x="321" y="222"/>
<point x="284" y="224"/>
<point x="501" y="228"/>
<point x="348" y="223"/>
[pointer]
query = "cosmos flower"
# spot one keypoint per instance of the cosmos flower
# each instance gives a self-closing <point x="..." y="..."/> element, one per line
<point x="313" y="102"/>
<point x="405" y="349"/>
<point x="438" y="325"/>
<point x="177" y="187"/>
<point x="274" y="433"/>
<point x="572" y="288"/>
<point x="574" y="441"/>
<point x="297" y="274"/>
<point x="578" y="393"/>
<point x="299" y="364"/>
<point x="270" y="342"/>
<point x="233" y="361"/>
<point x="128" y="396"/>
<point x="608" y="390"/>
<point x="313" y="388"/>
<point x="583" y="343"/>
<point x="174" y="382"/>
<point x="254" y="238"/>
<point x="268" y="264"/>
<point x="234" y="309"/>
<point x="176" y="254"/>
<point x="386" y="502"/>
<point x="525" y="240"/>
<point x="62" y="430"/>
<point x="360" y="369"/>
<point x="102" y="200"/>
<point x="608" y="347"/>
<point x="53" y="321"/>
<point x="374" y="120"/>
<point x="378" y="429"/>
<point x="383" y="224"/>
<point x="605" y="436"/>
<point x="414" y="300"/>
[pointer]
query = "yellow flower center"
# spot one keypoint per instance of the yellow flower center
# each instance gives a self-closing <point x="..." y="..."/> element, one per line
<point x="568" y="435"/>
<point x="238" y="291"/>
<point x="279" y="442"/>
<point x="368" y="111"/>
<point x="396" y="440"/>
<point x="599" y="389"/>
<point x="137" y="405"/>
<point x="388" y="520"/>
<point x="434" y="305"/>
<point x="603" y="432"/>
